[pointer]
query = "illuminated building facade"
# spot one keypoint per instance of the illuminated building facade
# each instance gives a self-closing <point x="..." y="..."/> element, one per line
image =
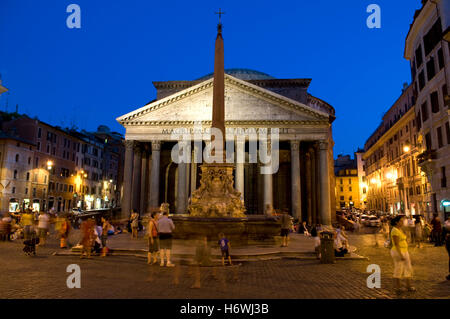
<point x="395" y="182"/>
<point x="65" y="169"/>
<point x="427" y="50"/>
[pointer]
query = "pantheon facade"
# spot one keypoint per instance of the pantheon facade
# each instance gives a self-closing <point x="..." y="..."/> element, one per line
<point x="304" y="182"/>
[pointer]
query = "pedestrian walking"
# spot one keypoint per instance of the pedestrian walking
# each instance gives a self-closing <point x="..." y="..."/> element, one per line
<point x="63" y="231"/>
<point x="343" y="238"/>
<point x="436" y="232"/>
<point x="87" y="237"/>
<point x="224" y="245"/>
<point x="418" y="225"/>
<point x="5" y="227"/>
<point x="43" y="227"/>
<point x="31" y="242"/>
<point x="202" y="258"/>
<point x="27" y="223"/>
<point x="315" y="236"/>
<point x="165" y="228"/>
<point x="286" y="225"/>
<point x="447" y="243"/>
<point x="97" y="243"/>
<point x="411" y="230"/>
<point x="400" y="255"/>
<point x="134" y="223"/>
<point x="153" y="240"/>
<point x="385" y="228"/>
<point x="104" y="237"/>
<point x="357" y="225"/>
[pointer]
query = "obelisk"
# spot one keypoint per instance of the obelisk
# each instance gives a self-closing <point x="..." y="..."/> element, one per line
<point x="216" y="196"/>
<point x="218" y="108"/>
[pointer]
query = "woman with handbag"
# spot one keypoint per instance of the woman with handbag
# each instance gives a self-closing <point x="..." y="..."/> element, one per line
<point x="153" y="241"/>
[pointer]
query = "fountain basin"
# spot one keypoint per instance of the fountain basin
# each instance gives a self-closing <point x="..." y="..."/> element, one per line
<point x="237" y="230"/>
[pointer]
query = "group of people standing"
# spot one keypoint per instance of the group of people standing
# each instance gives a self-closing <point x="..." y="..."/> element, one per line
<point x="26" y="225"/>
<point x="160" y="228"/>
<point x="34" y="228"/>
<point x="94" y="237"/>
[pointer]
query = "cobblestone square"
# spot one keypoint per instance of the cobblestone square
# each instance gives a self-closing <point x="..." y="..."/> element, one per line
<point x="44" y="276"/>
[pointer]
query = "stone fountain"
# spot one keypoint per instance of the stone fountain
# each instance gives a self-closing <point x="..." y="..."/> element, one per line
<point x="216" y="206"/>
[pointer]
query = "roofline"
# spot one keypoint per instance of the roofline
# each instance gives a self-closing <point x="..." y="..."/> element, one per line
<point x="383" y="117"/>
<point x="417" y="15"/>
<point x="303" y="82"/>
<point x="398" y="99"/>
<point x="401" y="121"/>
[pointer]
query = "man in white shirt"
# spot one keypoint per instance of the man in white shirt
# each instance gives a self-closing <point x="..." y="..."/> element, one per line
<point x="165" y="228"/>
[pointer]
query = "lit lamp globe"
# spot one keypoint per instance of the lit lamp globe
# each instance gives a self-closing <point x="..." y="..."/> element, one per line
<point x="49" y="165"/>
<point x="406" y="148"/>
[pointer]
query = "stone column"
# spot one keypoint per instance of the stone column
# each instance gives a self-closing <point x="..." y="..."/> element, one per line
<point x="188" y="180"/>
<point x="268" y="187"/>
<point x="325" y="213"/>
<point x="295" y="180"/>
<point x="144" y="172"/>
<point x="154" y="174"/>
<point x="181" y="188"/>
<point x="240" y="159"/>
<point x="195" y="153"/>
<point x="136" y="189"/>
<point x="127" y="178"/>
<point x="314" y="188"/>
<point x="308" y="188"/>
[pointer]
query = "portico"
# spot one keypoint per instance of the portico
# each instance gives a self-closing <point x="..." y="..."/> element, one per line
<point x="302" y="183"/>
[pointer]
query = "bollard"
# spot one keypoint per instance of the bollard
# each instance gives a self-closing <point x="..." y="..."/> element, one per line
<point x="327" y="248"/>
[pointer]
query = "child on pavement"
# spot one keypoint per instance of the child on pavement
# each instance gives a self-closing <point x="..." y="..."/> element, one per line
<point x="224" y="244"/>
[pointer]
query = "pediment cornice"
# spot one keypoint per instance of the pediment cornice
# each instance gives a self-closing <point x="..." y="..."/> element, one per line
<point x="227" y="123"/>
<point x="277" y="99"/>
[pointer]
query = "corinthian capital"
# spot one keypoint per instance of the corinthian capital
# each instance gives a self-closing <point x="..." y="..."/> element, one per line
<point x="156" y="145"/>
<point x="295" y="145"/>
<point x="323" y="145"/>
<point x="129" y="144"/>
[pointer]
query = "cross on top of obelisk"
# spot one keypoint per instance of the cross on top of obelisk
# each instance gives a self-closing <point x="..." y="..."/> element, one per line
<point x="220" y="15"/>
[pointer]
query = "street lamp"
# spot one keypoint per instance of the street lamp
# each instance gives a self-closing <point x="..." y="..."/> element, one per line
<point x="49" y="168"/>
<point x="406" y="148"/>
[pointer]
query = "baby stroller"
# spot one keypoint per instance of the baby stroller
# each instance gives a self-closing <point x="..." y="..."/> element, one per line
<point x="30" y="245"/>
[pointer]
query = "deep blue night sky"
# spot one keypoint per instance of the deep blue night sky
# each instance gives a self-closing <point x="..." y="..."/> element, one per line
<point x="92" y="75"/>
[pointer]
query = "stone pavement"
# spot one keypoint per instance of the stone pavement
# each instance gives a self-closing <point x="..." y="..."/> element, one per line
<point x="45" y="276"/>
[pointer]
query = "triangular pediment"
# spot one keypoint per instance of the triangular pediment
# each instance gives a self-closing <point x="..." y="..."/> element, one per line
<point x="243" y="102"/>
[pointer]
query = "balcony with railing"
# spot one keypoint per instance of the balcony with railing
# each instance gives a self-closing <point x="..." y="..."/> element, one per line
<point x="426" y="156"/>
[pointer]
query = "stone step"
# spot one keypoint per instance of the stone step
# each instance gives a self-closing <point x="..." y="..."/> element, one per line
<point x="238" y="257"/>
